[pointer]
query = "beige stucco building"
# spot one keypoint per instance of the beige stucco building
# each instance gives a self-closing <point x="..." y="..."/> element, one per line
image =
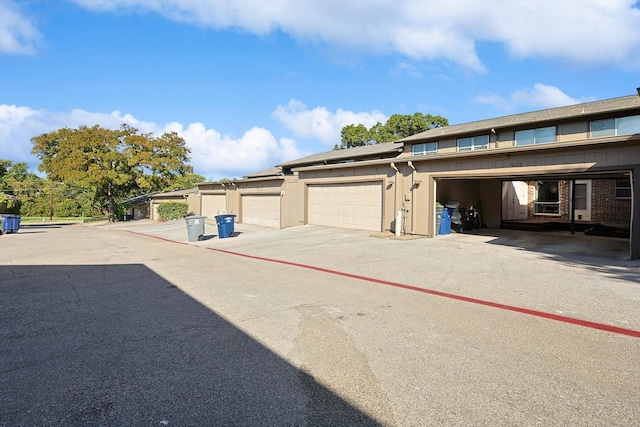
<point x="579" y="163"/>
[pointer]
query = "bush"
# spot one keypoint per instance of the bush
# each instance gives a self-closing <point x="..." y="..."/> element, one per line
<point x="172" y="210"/>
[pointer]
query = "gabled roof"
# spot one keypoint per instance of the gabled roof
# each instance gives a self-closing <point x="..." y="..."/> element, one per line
<point x="366" y="152"/>
<point x="531" y="118"/>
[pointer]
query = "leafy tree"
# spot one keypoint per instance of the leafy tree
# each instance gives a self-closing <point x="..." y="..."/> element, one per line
<point x="398" y="126"/>
<point x="16" y="180"/>
<point x="112" y="163"/>
<point x="354" y="136"/>
<point x="188" y="180"/>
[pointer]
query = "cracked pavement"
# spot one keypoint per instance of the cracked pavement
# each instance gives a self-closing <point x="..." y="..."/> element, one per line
<point x="128" y="324"/>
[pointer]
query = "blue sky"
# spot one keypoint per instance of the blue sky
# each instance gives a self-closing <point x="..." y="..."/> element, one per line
<point x="250" y="84"/>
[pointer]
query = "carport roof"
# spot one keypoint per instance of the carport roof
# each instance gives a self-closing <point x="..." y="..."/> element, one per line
<point x="531" y="118"/>
<point x="365" y="152"/>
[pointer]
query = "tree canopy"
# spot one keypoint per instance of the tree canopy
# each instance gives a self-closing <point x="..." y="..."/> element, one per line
<point x="398" y="126"/>
<point x="115" y="164"/>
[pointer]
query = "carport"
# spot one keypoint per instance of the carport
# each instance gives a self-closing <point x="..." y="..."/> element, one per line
<point x="505" y="203"/>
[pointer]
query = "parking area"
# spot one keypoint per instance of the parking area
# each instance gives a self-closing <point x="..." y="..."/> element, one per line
<point x="130" y="323"/>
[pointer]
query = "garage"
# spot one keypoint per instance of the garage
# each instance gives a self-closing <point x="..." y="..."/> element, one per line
<point x="353" y="205"/>
<point x="213" y="204"/>
<point x="261" y="209"/>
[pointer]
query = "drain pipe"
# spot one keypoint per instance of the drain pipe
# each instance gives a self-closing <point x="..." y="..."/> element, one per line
<point x="413" y="196"/>
<point x="398" y="223"/>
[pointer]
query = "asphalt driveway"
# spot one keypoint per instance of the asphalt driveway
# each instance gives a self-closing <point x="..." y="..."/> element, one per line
<point x="130" y="324"/>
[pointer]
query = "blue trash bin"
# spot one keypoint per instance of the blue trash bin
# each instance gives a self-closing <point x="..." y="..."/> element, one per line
<point x="9" y="223"/>
<point x="225" y="225"/>
<point x="445" y="223"/>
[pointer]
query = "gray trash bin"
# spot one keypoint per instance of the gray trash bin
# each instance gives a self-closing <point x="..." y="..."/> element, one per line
<point x="195" y="227"/>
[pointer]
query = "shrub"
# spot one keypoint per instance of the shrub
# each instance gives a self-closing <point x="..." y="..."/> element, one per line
<point x="173" y="210"/>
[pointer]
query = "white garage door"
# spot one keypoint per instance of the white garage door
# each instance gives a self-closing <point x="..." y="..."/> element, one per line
<point x="263" y="209"/>
<point x="213" y="204"/>
<point x="357" y="206"/>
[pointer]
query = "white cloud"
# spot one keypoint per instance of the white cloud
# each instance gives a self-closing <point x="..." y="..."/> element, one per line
<point x="581" y="31"/>
<point x="222" y="156"/>
<point x="403" y="68"/>
<point x="18" y="35"/>
<point x="540" y="96"/>
<point x="321" y="124"/>
<point x="212" y="154"/>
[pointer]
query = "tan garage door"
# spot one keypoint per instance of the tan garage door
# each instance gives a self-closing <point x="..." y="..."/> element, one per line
<point x="263" y="209"/>
<point x="213" y="204"/>
<point x="357" y="205"/>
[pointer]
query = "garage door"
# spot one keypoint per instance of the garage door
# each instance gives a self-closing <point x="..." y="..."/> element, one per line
<point x="357" y="206"/>
<point x="213" y="204"/>
<point x="263" y="209"/>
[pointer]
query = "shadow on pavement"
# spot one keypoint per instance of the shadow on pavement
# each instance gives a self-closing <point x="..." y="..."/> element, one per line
<point x="119" y="345"/>
<point x="608" y="255"/>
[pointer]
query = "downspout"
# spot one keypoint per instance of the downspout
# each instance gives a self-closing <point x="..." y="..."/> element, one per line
<point x="395" y="192"/>
<point x="395" y="199"/>
<point x="413" y="190"/>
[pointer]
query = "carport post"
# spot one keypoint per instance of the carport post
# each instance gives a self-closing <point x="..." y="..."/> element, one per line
<point x="634" y="229"/>
<point x="573" y="207"/>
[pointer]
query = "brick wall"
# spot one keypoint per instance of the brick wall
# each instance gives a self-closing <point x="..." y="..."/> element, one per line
<point x="605" y="207"/>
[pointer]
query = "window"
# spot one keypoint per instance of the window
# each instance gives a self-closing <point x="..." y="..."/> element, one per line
<point x="473" y="143"/>
<point x="547" y="199"/>
<point x="581" y="196"/>
<point x="623" y="188"/>
<point x="612" y="127"/>
<point x="536" y="136"/>
<point x="425" y="149"/>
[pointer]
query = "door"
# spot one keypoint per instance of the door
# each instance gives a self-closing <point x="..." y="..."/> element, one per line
<point x="261" y="209"/>
<point x="354" y="205"/>
<point x="213" y="204"/>
<point x="514" y="200"/>
<point x="583" y="200"/>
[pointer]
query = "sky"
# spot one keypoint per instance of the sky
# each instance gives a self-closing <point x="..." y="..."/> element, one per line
<point x="250" y="84"/>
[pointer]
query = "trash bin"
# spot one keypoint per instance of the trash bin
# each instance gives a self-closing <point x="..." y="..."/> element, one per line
<point x="225" y="225"/>
<point x="195" y="227"/>
<point x="9" y="223"/>
<point x="445" y="223"/>
<point x="439" y="210"/>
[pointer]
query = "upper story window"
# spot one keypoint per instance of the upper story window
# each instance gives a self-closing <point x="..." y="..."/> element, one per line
<point x="473" y="143"/>
<point x="612" y="127"/>
<point x="425" y="149"/>
<point x="536" y="136"/>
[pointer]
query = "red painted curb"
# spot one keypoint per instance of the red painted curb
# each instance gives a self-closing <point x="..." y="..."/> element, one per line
<point x="536" y="313"/>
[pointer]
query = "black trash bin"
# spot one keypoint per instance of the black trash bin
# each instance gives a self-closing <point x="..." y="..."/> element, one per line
<point x="225" y="225"/>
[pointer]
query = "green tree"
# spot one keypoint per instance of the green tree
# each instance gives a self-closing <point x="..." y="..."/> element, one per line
<point x="354" y="136"/>
<point x="188" y="180"/>
<point x="398" y="126"/>
<point x="16" y="180"/>
<point x="112" y="163"/>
